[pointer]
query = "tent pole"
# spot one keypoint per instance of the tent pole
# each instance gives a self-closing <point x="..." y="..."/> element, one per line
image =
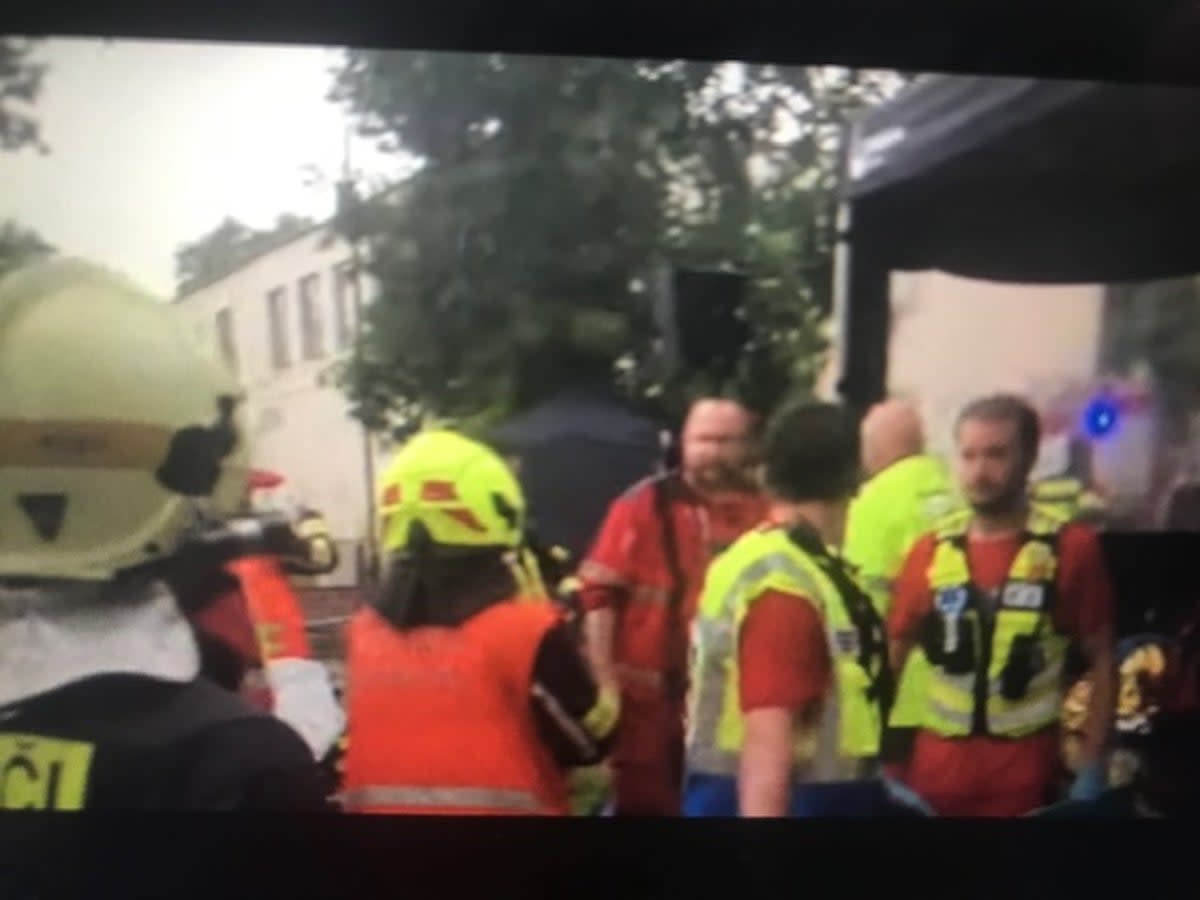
<point x="865" y="323"/>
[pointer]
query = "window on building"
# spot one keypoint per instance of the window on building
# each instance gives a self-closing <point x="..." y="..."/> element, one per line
<point x="345" y="305"/>
<point x="225" y="337"/>
<point x="312" y="335"/>
<point x="281" y="352"/>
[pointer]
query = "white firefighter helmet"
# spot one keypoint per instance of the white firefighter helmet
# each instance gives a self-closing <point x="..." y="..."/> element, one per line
<point x="117" y="432"/>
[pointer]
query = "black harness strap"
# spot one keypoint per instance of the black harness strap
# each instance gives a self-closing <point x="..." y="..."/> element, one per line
<point x="868" y="624"/>
<point x="676" y="681"/>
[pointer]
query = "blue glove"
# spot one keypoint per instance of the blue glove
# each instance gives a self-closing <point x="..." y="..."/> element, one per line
<point x="905" y="796"/>
<point x="1089" y="783"/>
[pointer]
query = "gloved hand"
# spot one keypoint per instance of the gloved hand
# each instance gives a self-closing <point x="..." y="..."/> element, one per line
<point x="590" y="788"/>
<point x="1089" y="783"/>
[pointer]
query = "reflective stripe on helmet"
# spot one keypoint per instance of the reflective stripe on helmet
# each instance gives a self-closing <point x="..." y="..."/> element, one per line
<point x="82" y="445"/>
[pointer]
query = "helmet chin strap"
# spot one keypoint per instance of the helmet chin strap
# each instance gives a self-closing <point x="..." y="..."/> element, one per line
<point x="521" y="562"/>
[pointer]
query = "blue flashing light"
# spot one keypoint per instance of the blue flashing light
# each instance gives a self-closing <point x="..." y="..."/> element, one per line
<point x="1100" y="418"/>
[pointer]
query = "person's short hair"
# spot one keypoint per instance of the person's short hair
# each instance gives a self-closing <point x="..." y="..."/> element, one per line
<point x="812" y="453"/>
<point x="1007" y="408"/>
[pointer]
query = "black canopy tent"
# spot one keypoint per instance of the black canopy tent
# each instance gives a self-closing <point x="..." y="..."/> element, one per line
<point x="579" y="450"/>
<point x="1023" y="181"/>
<point x="1015" y="180"/>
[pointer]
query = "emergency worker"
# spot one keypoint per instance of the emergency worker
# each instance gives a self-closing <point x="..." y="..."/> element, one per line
<point x="301" y="691"/>
<point x="120" y="455"/>
<point x="466" y="696"/>
<point x="250" y="626"/>
<point x="639" y="587"/>
<point x="995" y="596"/>
<point x="909" y="490"/>
<point x="790" y="680"/>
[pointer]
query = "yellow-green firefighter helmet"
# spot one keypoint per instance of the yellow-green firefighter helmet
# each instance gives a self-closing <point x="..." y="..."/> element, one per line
<point x="117" y="432"/>
<point x="461" y="491"/>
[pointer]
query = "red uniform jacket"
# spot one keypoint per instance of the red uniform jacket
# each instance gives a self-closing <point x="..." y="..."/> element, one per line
<point x="628" y="570"/>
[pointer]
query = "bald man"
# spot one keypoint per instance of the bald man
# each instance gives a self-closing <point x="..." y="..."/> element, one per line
<point x="640" y="584"/>
<point x="908" y="491"/>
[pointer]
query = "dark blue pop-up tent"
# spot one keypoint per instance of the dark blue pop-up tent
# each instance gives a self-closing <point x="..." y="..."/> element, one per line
<point x="579" y="450"/>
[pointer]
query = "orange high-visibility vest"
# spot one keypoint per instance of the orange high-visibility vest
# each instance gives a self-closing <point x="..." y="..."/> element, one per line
<point x="274" y="609"/>
<point x="441" y="721"/>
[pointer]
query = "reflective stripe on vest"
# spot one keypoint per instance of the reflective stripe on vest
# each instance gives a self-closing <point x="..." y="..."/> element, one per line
<point x="759" y="562"/>
<point x="278" y="618"/>
<point x="656" y="596"/>
<point x="447" y="798"/>
<point x="1024" y="608"/>
<point x="1058" y="490"/>
<point x="651" y="679"/>
<point x="435" y="721"/>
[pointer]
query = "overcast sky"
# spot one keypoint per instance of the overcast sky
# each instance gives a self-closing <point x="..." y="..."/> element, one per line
<point x="153" y="144"/>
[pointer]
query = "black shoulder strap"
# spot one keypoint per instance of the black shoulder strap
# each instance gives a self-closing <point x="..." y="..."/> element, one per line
<point x="187" y="711"/>
<point x="672" y="636"/>
<point x="867" y="622"/>
<point x="133" y="711"/>
<point x="197" y="707"/>
<point x="670" y="543"/>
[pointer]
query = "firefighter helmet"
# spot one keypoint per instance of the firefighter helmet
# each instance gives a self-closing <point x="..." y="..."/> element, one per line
<point x="460" y="491"/>
<point x="117" y="432"/>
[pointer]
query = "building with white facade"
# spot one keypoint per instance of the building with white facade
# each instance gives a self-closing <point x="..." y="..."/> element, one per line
<point x="284" y="321"/>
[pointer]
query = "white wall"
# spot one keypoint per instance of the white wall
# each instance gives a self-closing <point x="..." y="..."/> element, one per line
<point x="296" y="417"/>
<point x="954" y="339"/>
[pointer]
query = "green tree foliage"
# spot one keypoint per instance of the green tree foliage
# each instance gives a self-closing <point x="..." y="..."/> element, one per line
<point x="20" y="83"/>
<point x="524" y="252"/>
<point x="20" y="245"/>
<point x="227" y="247"/>
<point x="1157" y="325"/>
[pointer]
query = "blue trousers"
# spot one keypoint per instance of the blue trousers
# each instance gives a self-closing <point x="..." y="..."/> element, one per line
<point x="717" y="796"/>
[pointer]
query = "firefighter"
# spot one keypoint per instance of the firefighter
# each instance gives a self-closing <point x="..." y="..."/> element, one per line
<point x="250" y="627"/>
<point x="120" y="455"/>
<point x="466" y="695"/>
<point x="909" y="490"/>
<point x="790" y="680"/>
<point x="640" y="583"/>
<point x="301" y="691"/>
<point x="995" y="596"/>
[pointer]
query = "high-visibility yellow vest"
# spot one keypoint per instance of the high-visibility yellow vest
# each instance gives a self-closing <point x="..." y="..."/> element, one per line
<point x="972" y="703"/>
<point x="892" y="510"/>
<point x="1067" y="497"/>
<point x="763" y="560"/>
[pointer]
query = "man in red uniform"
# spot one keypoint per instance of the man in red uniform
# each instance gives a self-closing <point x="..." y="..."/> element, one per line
<point x="639" y="589"/>
<point x="981" y="773"/>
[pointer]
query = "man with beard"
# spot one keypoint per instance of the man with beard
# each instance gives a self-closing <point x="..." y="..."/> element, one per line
<point x="639" y="590"/>
<point x="995" y="596"/>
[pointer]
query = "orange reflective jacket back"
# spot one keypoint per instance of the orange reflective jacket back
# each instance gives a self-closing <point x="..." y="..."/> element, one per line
<point x="277" y="616"/>
<point x="441" y="720"/>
